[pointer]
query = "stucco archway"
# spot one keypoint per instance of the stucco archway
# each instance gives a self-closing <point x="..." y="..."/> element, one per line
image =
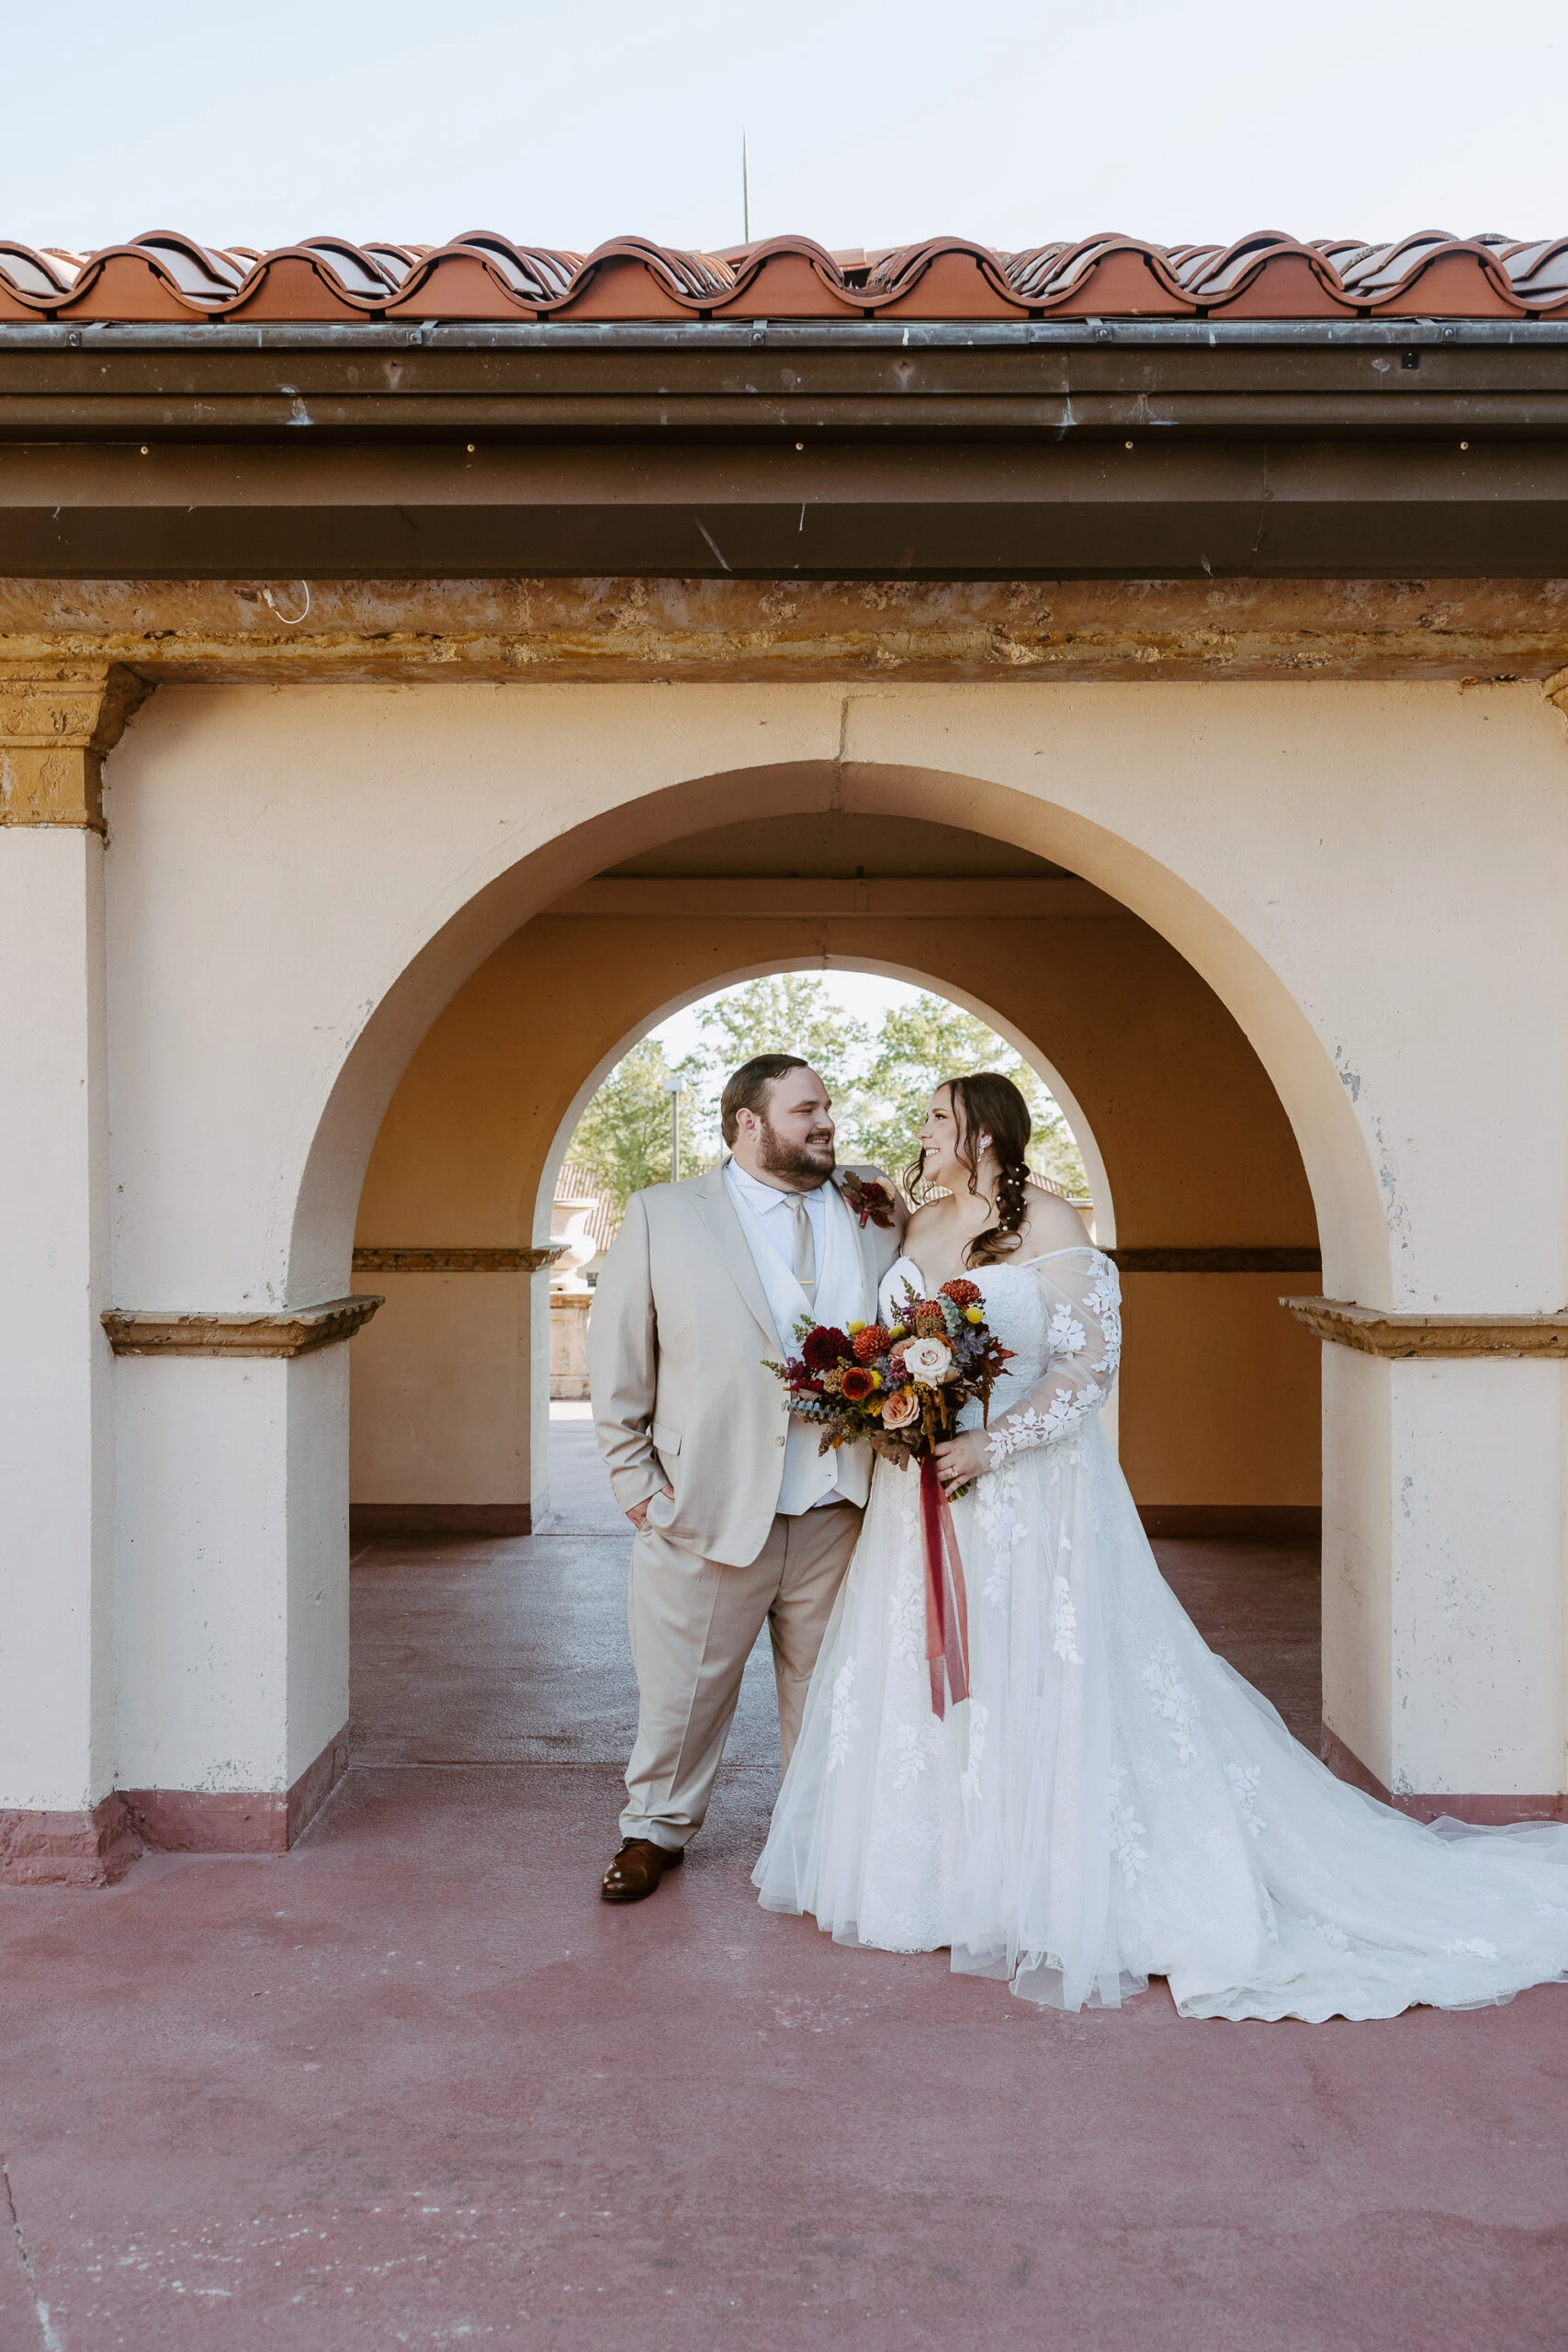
<point x="468" y="1151"/>
<point x="1217" y="817"/>
<point x="450" y="1350"/>
<point x="1344" y="1186"/>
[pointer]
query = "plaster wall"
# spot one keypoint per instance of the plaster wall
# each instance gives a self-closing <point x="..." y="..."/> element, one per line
<point x="1219" y="1401"/>
<point x="1367" y="876"/>
<point x="442" y="1409"/>
<point x="57" y="1459"/>
<point x="231" y="1601"/>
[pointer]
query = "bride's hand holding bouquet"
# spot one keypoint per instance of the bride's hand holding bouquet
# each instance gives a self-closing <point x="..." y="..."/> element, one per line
<point x="901" y="1385"/>
<point x="959" y="1461"/>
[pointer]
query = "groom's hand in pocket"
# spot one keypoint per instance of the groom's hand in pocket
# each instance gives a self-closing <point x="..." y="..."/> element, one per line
<point x="638" y="1512"/>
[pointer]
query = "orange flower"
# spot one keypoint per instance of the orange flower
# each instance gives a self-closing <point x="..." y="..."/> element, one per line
<point x="857" y="1384"/>
<point x="870" y="1340"/>
<point x="963" y="1294"/>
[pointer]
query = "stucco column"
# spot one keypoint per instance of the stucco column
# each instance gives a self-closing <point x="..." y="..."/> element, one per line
<point x="1443" y="1574"/>
<point x="56" y="1727"/>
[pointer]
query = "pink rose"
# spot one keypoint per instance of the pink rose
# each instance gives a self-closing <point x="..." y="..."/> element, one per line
<point x="902" y="1407"/>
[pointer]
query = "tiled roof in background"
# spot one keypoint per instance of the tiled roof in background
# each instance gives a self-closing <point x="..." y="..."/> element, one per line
<point x="169" y="278"/>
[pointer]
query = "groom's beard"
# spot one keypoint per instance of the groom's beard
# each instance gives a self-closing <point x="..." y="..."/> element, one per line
<point x="813" y="1158"/>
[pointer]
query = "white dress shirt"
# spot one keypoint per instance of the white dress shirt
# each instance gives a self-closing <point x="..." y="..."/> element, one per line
<point x="774" y="1213"/>
<point x="767" y="1219"/>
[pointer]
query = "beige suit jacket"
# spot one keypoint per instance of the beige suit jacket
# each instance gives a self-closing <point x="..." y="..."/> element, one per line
<point x="677" y="1336"/>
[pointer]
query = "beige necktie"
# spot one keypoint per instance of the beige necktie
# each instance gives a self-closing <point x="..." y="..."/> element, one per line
<point x="804" y="1263"/>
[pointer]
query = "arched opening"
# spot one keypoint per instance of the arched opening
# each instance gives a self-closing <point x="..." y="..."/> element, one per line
<point x="883" y="1037"/>
<point x="1212" y="822"/>
<point x="1165" y="1097"/>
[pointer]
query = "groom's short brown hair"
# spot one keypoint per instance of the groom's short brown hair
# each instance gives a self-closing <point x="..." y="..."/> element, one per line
<point x="746" y="1089"/>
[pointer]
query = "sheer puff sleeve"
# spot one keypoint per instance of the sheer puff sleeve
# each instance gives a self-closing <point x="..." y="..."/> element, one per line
<point x="1083" y="1348"/>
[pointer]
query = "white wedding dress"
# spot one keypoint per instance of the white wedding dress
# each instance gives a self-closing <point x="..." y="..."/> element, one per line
<point x="1113" y="1802"/>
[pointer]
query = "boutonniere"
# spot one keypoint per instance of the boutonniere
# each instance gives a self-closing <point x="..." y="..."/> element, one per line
<point x="873" y="1204"/>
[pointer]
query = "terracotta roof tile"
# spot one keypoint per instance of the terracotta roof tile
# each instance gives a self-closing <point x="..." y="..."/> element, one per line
<point x="483" y="276"/>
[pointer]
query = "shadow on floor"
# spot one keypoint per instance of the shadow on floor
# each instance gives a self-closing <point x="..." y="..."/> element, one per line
<point x="414" y="2084"/>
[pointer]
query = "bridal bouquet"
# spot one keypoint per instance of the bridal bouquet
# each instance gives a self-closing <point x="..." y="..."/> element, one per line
<point x="902" y="1384"/>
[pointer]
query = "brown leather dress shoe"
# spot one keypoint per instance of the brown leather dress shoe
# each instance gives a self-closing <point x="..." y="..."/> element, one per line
<point x="637" y="1870"/>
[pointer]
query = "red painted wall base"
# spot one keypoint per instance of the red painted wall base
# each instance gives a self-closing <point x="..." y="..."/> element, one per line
<point x="474" y="1520"/>
<point x="95" y="1848"/>
<point x="67" y="1849"/>
<point x="1248" y="1522"/>
<point x="1488" y="1812"/>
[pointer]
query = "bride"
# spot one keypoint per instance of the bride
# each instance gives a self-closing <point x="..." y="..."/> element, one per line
<point x="1111" y="1802"/>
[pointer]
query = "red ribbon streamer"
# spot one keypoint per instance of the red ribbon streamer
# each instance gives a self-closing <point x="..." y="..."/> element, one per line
<point x="947" y="1607"/>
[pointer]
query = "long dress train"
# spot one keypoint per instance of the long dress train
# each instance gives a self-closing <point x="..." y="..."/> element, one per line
<point x="1113" y="1802"/>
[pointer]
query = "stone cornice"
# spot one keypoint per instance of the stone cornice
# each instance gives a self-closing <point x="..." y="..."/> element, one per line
<point x="1375" y="1331"/>
<point x="373" y="1259"/>
<point x="58" y="717"/>
<point x="565" y="630"/>
<point x="292" y="1331"/>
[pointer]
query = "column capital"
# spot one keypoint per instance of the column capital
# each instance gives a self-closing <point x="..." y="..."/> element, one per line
<point x="57" y="721"/>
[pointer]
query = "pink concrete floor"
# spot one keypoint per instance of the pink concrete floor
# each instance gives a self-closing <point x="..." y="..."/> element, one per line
<point x="414" y="2085"/>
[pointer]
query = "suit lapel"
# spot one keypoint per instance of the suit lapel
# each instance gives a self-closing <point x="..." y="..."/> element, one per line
<point x="718" y="1212"/>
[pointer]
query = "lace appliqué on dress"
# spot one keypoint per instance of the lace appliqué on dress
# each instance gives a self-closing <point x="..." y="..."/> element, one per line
<point x="996" y="1509"/>
<point x="1172" y="1698"/>
<point x="1245" y="1779"/>
<point x="846" y="1715"/>
<point x="1077" y="1390"/>
<point x="1065" y="1623"/>
<point x="1065" y="1335"/>
<point x="916" y="1744"/>
<point x="1127" y="1833"/>
<point x="906" y="1614"/>
<point x="1021" y="1432"/>
<point x="969" y="1779"/>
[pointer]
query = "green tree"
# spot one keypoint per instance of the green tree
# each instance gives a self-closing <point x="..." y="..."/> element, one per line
<point x="622" y="1138"/>
<point x="788" y="1013"/>
<point x="880" y="1086"/>
<point x="921" y="1044"/>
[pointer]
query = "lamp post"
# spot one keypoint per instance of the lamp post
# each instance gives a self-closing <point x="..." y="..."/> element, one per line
<point x="674" y="1088"/>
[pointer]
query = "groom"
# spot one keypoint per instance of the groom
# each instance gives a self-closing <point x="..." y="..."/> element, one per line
<point x="739" y="1518"/>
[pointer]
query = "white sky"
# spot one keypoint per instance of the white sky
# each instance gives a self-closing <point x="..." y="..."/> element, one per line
<point x="870" y="121"/>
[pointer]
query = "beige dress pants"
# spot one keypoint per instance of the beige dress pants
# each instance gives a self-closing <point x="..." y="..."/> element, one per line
<point x="693" y="1623"/>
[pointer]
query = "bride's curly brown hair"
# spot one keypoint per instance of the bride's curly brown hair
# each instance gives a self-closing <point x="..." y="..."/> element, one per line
<point x="986" y="1103"/>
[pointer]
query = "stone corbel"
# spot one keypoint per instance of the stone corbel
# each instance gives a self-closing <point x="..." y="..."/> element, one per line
<point x="293" y="1331"/>
<point x="1372" y="1331"/>
<point x="56" y="724"/>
